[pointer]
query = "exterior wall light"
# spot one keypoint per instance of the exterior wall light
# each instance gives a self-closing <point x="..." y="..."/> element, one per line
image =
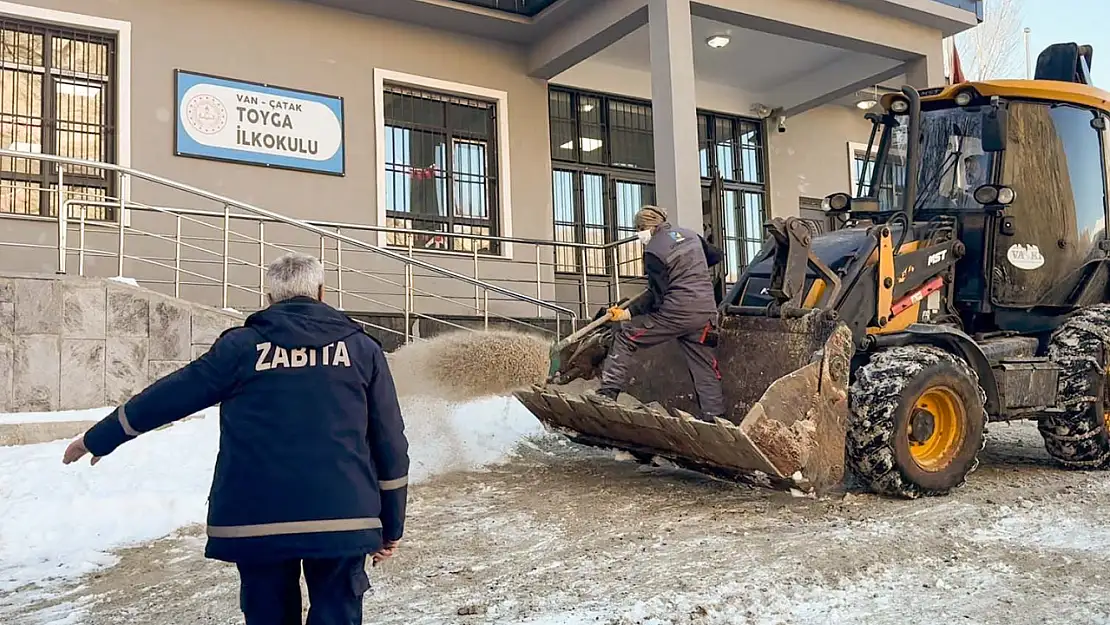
<point x="718" y="41"/>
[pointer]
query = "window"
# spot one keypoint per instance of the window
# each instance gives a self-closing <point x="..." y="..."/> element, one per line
<point x="1079" y="140"/>
<point x="1053" y="162"/>
<point x="603" y="153"/>
<point x="604" y="158"/>
<point x="862" y="168"/>
<point x="732" y="147"/>
<point x="597" y="208"/>
<point x="440" y="169"/>
<point x="601" y="130"/>
<point x="529" y="8"/>
<point x="731" y="161"/>
<point x="57" y="96"/>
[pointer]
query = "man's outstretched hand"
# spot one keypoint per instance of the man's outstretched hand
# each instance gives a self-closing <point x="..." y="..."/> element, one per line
<point x="387" y="550"/>
<point x="76" y="451"/>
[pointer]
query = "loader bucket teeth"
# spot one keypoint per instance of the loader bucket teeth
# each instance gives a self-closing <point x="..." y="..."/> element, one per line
<point x="785" y="380"/>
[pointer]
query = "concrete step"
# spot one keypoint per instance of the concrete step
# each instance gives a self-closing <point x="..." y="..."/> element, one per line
<point x="12" y="434"/>
<point x="36" y="432"/>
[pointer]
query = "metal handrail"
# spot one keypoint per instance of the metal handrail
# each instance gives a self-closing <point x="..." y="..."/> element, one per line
<point x="318" y="230"/>
<point x="173" y="210"/>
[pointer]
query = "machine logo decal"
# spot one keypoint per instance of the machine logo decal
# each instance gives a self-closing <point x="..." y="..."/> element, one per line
<point x="1025" y="256"/>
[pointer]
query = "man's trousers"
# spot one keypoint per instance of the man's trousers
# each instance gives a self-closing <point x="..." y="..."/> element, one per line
<point x="701" y="357"/>
<point x="270" y="594"/>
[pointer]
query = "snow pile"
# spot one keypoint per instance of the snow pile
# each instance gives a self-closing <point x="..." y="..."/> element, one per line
<point x="58" y="521"/>
<point x="445" y="436"/>
<point x="61" y="521"/>
<point x="123" y="280"/>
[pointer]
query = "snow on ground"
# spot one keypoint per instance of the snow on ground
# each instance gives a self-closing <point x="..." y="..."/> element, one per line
<point x="562" y="535"/>
<point x="61" y="522"/>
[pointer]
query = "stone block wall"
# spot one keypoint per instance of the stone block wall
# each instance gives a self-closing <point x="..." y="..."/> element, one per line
<point x="69" y="343"/>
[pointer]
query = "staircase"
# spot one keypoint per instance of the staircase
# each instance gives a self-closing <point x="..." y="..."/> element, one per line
<point x="200" y="246"/>
<point x="106" y="293"/>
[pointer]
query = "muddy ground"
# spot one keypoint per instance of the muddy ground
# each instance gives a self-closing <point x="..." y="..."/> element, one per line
<point x="567" y="535"/>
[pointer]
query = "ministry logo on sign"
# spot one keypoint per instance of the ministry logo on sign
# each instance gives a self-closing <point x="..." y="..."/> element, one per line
<point x="206" y="114"/>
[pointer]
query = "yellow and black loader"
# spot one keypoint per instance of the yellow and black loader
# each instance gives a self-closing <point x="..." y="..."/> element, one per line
<point x="967" y="282"/>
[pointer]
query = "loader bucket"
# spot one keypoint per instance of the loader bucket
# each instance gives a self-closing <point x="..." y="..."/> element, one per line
<point x="785" y="381"/>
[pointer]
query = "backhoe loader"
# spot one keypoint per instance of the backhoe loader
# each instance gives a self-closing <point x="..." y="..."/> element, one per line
<point x="967" y="283"/>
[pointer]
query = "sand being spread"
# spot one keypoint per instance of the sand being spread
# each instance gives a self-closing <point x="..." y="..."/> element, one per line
<point x="462" y="366"/>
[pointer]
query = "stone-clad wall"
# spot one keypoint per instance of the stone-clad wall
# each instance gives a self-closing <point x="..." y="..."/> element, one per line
<point x="70" y="343"/>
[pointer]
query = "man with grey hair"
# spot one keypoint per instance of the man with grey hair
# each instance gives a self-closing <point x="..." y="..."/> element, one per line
<point x="294" y="275"/>
<point x="313" y="463"/>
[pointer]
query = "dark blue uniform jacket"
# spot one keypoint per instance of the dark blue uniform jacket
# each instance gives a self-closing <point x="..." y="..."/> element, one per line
<point x="313" y="459"/>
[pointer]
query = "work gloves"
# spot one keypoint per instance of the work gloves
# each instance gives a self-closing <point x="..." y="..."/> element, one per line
<point x="620" y="314"/>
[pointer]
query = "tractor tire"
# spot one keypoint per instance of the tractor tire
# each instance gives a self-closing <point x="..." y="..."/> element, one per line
<point x="917" y="422"/>
<point x="1078" y="438"/>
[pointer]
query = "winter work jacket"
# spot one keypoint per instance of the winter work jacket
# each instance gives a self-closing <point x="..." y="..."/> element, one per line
<point x="313" y="459"/>
<point x="680" y="285"/>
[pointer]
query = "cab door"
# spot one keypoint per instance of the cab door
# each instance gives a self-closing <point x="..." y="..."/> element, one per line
<point x="1044" y="241"/>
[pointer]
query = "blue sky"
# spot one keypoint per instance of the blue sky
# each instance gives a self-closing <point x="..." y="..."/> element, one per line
<point x="1081" y="21"/>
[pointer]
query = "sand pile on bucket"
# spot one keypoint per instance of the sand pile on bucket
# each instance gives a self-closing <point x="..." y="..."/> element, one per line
<point x="461" y="366"/>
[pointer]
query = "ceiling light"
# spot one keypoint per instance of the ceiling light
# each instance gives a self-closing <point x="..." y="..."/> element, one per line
<point x="718" y="41"/>
<point x="586" y="108"/>
<point x="588" y="145"/>
<point x="866" y="104"/>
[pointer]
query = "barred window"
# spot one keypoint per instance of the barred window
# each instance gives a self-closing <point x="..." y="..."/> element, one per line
<point x="604" y="160"/>
<point x="601" y="130"/>
<point x="441" y="169"/>
<point x="598" y="208"/>
<point x="731" y="148"/>
<point x="57" y="96"/>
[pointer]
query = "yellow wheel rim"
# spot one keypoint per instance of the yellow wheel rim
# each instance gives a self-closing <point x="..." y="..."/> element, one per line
<point x="936" y="428"/>
<point x="1106" y="401"/>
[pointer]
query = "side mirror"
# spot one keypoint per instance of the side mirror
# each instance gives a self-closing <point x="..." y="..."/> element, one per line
<point x="994" y="129"/>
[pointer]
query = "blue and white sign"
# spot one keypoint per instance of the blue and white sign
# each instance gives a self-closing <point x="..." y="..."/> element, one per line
<point x="256" y="124"/>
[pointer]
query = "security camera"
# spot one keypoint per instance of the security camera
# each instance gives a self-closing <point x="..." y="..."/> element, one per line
<point x="782" y="123"/>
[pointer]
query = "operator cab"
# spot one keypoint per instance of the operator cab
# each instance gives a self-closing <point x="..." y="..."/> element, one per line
<point x="1019" y="168"/>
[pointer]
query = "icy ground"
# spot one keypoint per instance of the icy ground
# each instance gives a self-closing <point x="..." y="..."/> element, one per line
<point x="565" y="535"/>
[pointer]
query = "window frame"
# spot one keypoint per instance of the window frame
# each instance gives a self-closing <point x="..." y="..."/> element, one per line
<point x="611" y="226"/>
<point x="856" y="151"/>
<point x="501" y="210"/>
<point x="117" y="103"/>
<point x="619" y="173"/>
<point x="738" y="187"/>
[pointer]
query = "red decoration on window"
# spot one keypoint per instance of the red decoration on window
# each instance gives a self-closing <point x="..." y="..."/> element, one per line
<point x="424" y="173"/>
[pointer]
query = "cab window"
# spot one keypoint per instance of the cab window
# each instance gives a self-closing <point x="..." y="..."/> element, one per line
<point x="1054" y="162"/>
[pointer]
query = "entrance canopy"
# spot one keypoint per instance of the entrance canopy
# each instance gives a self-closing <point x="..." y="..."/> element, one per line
<point x="774" y="58"/>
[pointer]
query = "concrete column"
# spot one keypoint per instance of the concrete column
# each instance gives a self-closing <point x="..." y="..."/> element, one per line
<point x="674" y="112"/>
<point x="927" y="71"/>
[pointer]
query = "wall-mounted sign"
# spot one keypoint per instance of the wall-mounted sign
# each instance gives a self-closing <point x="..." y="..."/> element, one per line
<point x="258" y="124"/>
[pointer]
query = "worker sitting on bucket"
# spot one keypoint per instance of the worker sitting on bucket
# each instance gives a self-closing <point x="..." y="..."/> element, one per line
<point x="679" y="305"/>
